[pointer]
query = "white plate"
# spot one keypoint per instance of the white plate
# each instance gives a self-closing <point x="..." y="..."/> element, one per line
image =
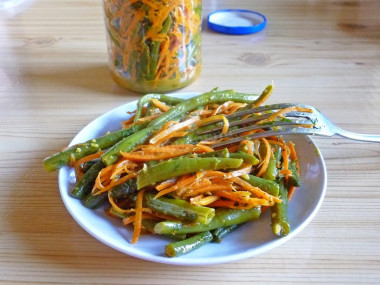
<point x="249" y="240"/>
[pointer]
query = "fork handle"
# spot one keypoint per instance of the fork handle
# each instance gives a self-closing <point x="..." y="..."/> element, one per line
<point x="356" y="136"/>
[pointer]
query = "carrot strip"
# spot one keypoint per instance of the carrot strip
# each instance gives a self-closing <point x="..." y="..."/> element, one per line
<point x="170" y="136"/>
<point x="168" y="124"/>
<point x="212" y="119"/>
<point x="285" y="172"/>
<point x="77" y="163"/>
<point x="138" y="216"/>
<point x="123" y="211"/>
<point x="128" y="122"/>
<point x="103" y="175"/>
<point x="249" y="202"/>
<point x="293" y="154"/>
<point x="225" y="125"/>
<point x="160" y="105"/>
<point x="97" y="191"/>
<point x="211" y="188"/>
<point x="282" y="112"/>
<point x="265" y="163"/>
<point x="233" y="148"/>
<point x="249" y="145"/>
<point x="180" y="184"/>
<point x="131" y="219"/>
<point x="285" y="158"/>
<point x="291" y="191"/>
<point x="148" y="118"/>
<point x="204" y="148"/>
<point x="196" y="199"/>
<point x="166" y="184"/>
<point x="255" y="190"/>
<point x="205" y="201"/>
<point x="174" y="128"/>
<point x="214" y="173"/>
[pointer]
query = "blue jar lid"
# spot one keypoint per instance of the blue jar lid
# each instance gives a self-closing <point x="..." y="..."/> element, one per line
<point x="236" y="21"/>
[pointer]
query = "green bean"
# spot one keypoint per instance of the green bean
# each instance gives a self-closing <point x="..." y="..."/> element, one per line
<point x="176" y="167"/>
<point x="149" y="224"/>
<point x="78" y="151"/>
<point x="178" y="208"/>
<point x="247" y="158"/>
<point x="294" y="179"/>
<point x="265" y="93"/>
<point x="272" y="171"/>
<point x="193" y="136"/>
<point x="223" y="218"/>
<point x="86" y="183"/>
<point x="220" y="233"/>
<point x="218" y="153"/>
<point x="185" y="246"/>
<point x="146" y="99"/>
<point x="94" y="201"/>
<point x="155" y="50"/>
<point x="144" y="63"/>
<point x="279" y="213"/>
<point x="87" y="165"/>
<point x="127" y="189"/>
<point x="271" y="187"/>
<point x="175" y="112"/>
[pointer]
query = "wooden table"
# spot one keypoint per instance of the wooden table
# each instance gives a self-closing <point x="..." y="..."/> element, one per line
<point x="54" y="80"/>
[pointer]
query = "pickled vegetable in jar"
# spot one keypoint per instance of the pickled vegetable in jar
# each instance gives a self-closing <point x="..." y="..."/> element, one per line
<point x="154" y="45"/>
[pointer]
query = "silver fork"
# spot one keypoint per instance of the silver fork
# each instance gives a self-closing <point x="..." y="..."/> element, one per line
<point x="303" y="123"/>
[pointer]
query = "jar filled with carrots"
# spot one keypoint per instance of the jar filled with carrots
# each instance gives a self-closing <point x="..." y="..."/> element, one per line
<point x="154" y="45"/>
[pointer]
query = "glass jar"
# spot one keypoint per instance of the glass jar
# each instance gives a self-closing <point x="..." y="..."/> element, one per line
<point x="154" y="45"/>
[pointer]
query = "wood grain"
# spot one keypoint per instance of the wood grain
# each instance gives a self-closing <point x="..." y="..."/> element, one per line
<point x="54" y="80"/>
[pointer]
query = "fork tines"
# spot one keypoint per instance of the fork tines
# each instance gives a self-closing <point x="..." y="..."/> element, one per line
<point x="296" y="122"/>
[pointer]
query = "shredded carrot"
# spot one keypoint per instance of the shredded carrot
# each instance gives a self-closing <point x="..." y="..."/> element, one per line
<point x="211" y="188"/>
<point x="160" y="105"/>
<point x="128" y="122"/>
<point x="124" y="211"/>
<point x="170" y="136"/>
<point x="233" y="148"/>
<point x="204" y="201"/>
<point x="177" y="127"/>
<point x="249" y="145"/>
<point x="291" y="191"/>
<point x="131" y="219"/>
<point x="285" y="158"/>
<point x="293" y="154"/>
<point x="165" y="184"/>
<point x="265" y="163"/>
<point x="215" y="118"/>
<point x="255" y="190"/>
<point x="168" y="124"/>
<point x="204" y="148"/>
<point x="180" y="183"/>
<point x="285" y="172"/>
<point x="138" y="216"/>
<point x="283" y="111"/>
<point x="103" y="175"/>
<point x="97" y="191"/>
<point x="148" y="118"/>
<point x="225" y="125"/>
